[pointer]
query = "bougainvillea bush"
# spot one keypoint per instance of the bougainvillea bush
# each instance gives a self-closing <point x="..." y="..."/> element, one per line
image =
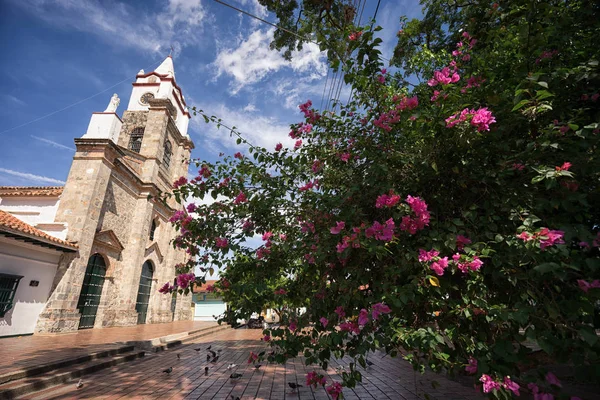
<point x="452" y="221"/>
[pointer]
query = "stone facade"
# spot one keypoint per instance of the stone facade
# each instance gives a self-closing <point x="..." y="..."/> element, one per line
<point x="109" y="203"/>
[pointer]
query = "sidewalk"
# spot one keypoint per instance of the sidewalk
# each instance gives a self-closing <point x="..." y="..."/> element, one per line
<point x="17" y="353"/>
<point x="389" y="378"/>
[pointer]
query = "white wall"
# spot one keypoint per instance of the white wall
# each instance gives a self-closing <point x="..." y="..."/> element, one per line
<point x="37" y="211"/>
<point x="33" y="263"/>
<point x="204" y="310"/>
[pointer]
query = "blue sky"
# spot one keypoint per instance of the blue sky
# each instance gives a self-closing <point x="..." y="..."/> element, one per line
<point x="56" y="53"/>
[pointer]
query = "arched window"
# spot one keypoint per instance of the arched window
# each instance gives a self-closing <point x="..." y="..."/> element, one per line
<point x="167" y="154"/>
<point x="135" y="139"/>
<point x="152" y="229"/>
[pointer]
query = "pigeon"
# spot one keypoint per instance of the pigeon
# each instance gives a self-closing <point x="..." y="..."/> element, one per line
<point x="294" y="385"/>
<point x="231" y="366"/>
<point x="208" y="348"/>
<point x="79" y="384"/>
<point x="198" y="349"/>
<point x="168" y="370"/>
<point x="207" y="357"/>
<point x="219" y="351"/>
<point x="257" y="366"/>
<point x="178" y="356"/>
<point x="235" y="375"/>
<point x="213" y="354"/>
<point x="369" y="363"/>
<point x="205" y="370"/>
<point x="214" y="360"/>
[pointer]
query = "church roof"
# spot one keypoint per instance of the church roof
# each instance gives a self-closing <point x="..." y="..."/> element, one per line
<point x="166" y="67"/>
<point x="50" y="191"/>
<point x="13" y="227"/>
<point x="202" y="288"/>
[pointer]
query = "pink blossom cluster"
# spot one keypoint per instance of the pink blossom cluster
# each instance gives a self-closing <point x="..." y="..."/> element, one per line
<point x="317" y="166"/>
<point x="309" y="114"/>
<point x="386" y="119"/>
<point x="298" y="144"/>
<point x="240" y="198"/>
<point x="238" y="155"/>
<point x="420" y="220"/>
<point x="280" y="291"/>
<point x="278" y="146"/>
<point x="211" y="288"/>
<point x="564" y="167"/>
<point x="204" y="171"/>
<point x="179" y="182"/>
<point x="471" y="368"/>
<point x="344" y="156"/>
<point x="349" y="240"/>
<point x="439" y="264"/>
<point x="465" y="265"/>
<point x="518" y="166"/>
<point x="349" y="327"/>
<point x="266" y="338"/>
<point x="309" y="185"/>
<point x="480" y="118"/>
<point x="253" y="357"/>
<point x="247" y="225"/>
<point x="387" y="200"/>
<point x="489" y="384"/>
<point x="585" y="285"/>
<point x="355" y="35"/>
<point x="462" y="241"/>
<point x="437" y="94"/>
<point x="472" y="82"/>
<point x="191" y="207"/>
<point x="445" y="76"/>
<point x="262" y="253"/>
<point x="184" y="280"/>
<point x="460" y="47"/>
<point x="334" y="390"/>
<point x="546" y="55"/>
<point x="178" y="216"/>
<point x="546" y="237"/>
<point x="167" y="288"/>
<point x="338" y="227"/>
<point x="314" y="379"/>
<point x="593" y="97"/>
<point x="221" y="243"/>
<point x="383" y="232"/>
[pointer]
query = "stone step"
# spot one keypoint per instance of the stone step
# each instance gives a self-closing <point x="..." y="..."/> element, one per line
<point x="27" y="385"/>
<point x="192" y="335"/>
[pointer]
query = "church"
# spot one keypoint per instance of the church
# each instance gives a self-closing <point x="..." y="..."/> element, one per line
<point x="93" y="253"/>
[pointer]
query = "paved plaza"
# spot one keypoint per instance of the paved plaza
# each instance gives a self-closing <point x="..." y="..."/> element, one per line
<point x="143" y="378"/>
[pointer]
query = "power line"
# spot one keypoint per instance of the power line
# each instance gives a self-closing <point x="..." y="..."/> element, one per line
<point x="71" y="105"/>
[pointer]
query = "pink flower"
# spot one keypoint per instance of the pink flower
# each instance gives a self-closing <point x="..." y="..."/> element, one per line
<point x="488" y="383"/>
<point x="565" y="167"/>
<point x="211" y="288"/>
<point x="355" y="35"/>
<point x="339" y="310"/>
<point x="314" y="379"/>
<point x="472" y="367"/>
<point x="334" y="390"/>
<point x="462" y="241"/>
<point x="292" y="326"/>
<point x="552" y="379"/>
<point x="350" y="327"/>
<point x="482" y="118"/>
<point x="585" y="286"/>
<point x="266" y="338"/>
<point x="238" y="155"/>
<point x="518" y="166"/>
<point x="476" y="264"/>
<point x="179" y="182"/>
<point x="253" y="357"/>
<point x="387" y="200"/>
<point x="280" y="291"/>
<point x="183" y="280"/>
<point x="323" y="321"/>
<point x="317" y="166"/>
<point x="166" y="288"/>
<point x="298" y="144"/>
<point x="240" y="198"/>
<point x="221" y="243"/>
<point x="378" y="309"/>
<point x="439" y="266"/>
<point x="363" y="317"/>
<point x="278" y="146"/>
<point x="345" y="157"/>
<point x="425" y="256"/>
<point x="512" y="386"/>
<point x="267" y="235"/>
<point x="337" y="228"/>
<point x="553" y="237"/>
<point x="191" y="207"/>
<point x="525" y="236"/>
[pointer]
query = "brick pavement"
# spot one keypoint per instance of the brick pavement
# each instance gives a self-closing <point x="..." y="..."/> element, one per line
<point x="28" y="351"/>
<point x="142" y="379"/>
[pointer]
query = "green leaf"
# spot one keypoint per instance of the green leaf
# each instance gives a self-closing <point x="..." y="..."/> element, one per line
<point x="546" y="267"/>
<point x="589" y="335"/>
<point x="543" y="84"/>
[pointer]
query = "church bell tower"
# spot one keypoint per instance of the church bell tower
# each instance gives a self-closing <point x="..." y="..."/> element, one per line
<point x="111" y="205"/>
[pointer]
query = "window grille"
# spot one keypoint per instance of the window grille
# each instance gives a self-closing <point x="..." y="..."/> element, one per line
<point x="167" y="154"/>
<point x="152" y="229"/>
<point x="135" y="139"/>
<point x="8" y="288"/>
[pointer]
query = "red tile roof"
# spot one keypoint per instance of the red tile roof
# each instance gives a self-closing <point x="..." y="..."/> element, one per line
<point x="202" y="289"/>
<point x="31" y="191"/>
<point x="14" y="226"/>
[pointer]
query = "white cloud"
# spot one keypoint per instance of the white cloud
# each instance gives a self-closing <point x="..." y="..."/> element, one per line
<point x="14" y="99"/>
<point x="31" y="177"/>
<point x="52" y="143"/>
<point x="250" y="108"/>
<point x="253" y="60"/>
<point x="258" y="130"/>
<point x="178" y="23"/>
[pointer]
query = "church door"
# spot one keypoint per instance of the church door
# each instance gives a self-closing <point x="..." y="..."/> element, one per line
<point x="91" y="291"/>
<point x="143" y="297"/>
